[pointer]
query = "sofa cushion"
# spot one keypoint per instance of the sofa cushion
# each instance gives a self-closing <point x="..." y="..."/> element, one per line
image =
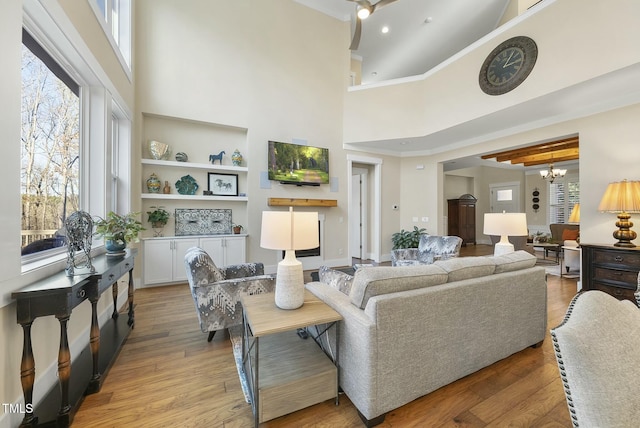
<point x="373" y="281"/>
<point x="336" y="279"/>
<point x="461" y="268"/>
<point x="514" y="261"/>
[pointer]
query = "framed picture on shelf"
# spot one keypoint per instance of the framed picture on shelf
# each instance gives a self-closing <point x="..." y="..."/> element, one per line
<point x="223" y="184"/>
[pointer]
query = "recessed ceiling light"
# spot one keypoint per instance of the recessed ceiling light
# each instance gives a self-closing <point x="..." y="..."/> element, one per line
<point x="428" y="20"/>
<point x="385" y="30"/>
<point x="374" y="73"/>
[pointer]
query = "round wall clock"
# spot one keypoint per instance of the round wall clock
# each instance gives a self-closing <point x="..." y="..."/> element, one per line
<point x="508" y="65"/>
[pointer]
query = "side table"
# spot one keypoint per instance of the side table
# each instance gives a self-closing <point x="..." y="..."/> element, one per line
<point x="285" y="372"/>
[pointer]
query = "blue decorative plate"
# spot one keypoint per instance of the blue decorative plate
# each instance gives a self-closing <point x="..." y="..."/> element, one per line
<point x="187" y="185"/>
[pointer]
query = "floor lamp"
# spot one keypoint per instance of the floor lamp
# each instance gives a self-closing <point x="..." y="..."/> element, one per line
<point x="289" y="231"/>
<point x="505" y="225"/>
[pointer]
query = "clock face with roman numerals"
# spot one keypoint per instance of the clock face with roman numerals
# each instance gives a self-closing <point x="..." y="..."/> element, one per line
<point x="508" y="65"/>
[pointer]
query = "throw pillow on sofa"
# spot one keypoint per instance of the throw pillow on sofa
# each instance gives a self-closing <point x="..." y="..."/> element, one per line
<point x="336" y="279"/>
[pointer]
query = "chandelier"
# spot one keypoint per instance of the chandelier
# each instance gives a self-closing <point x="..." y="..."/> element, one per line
<point x="552" y="173"/>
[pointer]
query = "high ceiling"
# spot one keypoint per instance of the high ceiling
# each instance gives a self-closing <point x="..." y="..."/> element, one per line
<point x="422" y="33"/>
<point x="415" y="44"/>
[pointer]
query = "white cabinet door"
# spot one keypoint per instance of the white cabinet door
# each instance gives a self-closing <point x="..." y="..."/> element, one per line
<point x="235" y="250"/>
<point x="158" y="261"/>
<point x="215" y="248"/>
<point x="180" y="247"/>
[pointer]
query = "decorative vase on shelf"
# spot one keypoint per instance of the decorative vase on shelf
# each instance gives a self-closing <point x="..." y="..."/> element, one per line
<point x="153" y="184"/>
<point x="236" y="158"/>
<point x="167" y="188"/>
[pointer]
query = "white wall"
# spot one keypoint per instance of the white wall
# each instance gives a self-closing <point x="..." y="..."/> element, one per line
<point x="276" y="68"/>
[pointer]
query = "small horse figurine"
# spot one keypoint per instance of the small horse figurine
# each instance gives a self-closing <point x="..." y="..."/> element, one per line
<point x="212" y="158"/>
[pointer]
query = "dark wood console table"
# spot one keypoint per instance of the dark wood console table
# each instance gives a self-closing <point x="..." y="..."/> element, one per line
<point x="58" y="295"/>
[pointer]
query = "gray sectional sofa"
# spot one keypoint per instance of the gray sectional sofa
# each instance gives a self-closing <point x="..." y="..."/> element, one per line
<point x="409" y="330"/>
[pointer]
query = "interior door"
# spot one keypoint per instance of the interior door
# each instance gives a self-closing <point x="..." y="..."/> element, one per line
<point x="355" y="218"/>
<point x="505" y="197"/>
<point x="358" y="214"/>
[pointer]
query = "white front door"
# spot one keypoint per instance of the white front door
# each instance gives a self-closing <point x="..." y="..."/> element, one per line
<point x="505" y="197"/>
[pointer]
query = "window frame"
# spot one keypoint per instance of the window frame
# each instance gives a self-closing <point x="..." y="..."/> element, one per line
<point x="36" y="48"/>
<point x="99" y="101"/>
<point x="569" y="200"/>
<point x="118" y="31"/>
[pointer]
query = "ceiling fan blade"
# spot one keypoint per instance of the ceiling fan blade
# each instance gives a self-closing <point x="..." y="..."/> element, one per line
<point x="380" y="4"/>
<point x="355" y="42"/>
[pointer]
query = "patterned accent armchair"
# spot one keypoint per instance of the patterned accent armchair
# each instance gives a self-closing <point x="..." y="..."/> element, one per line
<point x="216" y="292"/>
<point x="430" y="249"/>
<point x="595" y="347"/>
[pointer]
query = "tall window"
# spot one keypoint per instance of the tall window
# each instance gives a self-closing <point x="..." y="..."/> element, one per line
<point x="115" y="16"/>
<point x="564" y="193"/>
<point x="50" y="149"/>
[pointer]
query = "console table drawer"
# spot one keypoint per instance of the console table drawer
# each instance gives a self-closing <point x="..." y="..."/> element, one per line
<point x="618" y="292"/>
<point x="617" y="258"/>
<point x="611" y="269"/>
<point x="620" y="276"/>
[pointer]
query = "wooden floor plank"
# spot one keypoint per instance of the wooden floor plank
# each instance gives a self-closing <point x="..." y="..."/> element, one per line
<point x="167" y="374"/>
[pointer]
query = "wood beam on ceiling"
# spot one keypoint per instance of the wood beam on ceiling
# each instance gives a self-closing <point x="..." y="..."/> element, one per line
<point x="566" y="149"/>
<point x="549" y="157"/>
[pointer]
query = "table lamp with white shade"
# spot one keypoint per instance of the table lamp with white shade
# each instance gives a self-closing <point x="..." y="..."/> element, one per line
<point x="289" y="231"/>
<point x="505" y="225"/>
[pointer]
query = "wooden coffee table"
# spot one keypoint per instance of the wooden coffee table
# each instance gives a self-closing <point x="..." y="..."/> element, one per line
<point x="285" y="372"/>
<point x="546" y="247"/>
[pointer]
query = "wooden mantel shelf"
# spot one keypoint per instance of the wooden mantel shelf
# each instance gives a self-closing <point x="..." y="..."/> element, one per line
<point x="297" y="202"/>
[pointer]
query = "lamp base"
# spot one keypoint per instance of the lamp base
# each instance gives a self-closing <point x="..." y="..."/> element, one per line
<point x="501" y="248"/>
<point x="289" y="282"/>
<point x="624" y="234"/>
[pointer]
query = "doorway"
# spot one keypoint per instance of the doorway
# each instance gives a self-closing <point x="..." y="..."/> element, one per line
<point x="359" y="213"/>
<point x="370" y="244"/>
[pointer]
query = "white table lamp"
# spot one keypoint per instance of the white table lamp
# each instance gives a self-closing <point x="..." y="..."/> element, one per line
<point x="289" y="231"/>
<point x="505" y="225"/>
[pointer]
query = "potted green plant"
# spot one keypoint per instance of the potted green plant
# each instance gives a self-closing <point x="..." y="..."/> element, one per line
<point x="118" y="230"/>
<point x="407" y="239"/>
<point x="237" y="228"/>
<point x="158" y="218"/>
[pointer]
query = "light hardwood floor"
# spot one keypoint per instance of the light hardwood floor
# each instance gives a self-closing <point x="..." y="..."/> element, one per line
<point x="168" y="375"/>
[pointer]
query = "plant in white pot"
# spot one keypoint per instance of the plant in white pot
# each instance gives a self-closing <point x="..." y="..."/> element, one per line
<point x="118" y="230"/>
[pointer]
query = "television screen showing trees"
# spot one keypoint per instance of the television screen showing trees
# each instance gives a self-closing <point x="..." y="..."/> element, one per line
<point x="298" y="164"/>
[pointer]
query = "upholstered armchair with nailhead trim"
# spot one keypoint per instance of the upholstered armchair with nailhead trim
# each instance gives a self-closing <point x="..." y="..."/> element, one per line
<point x="596" y="347"/>
<point x="216" y="291"/>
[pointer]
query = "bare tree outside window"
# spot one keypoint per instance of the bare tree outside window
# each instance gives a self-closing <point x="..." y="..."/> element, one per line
<point x="50" y="155"/>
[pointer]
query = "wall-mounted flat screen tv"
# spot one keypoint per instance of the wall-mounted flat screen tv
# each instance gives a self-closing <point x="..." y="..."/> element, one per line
<point x="298" y="164"/>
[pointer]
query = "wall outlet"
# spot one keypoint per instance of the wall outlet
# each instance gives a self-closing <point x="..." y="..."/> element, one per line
<point x="425" y="219"/>
<point x="339" y="251"/>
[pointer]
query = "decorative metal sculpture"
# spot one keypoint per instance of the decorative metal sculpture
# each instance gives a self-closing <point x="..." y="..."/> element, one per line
<point x="79" y="227"/>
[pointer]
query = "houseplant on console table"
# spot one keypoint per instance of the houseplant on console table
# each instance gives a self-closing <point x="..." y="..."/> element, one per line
<point x="118" y="230"/>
